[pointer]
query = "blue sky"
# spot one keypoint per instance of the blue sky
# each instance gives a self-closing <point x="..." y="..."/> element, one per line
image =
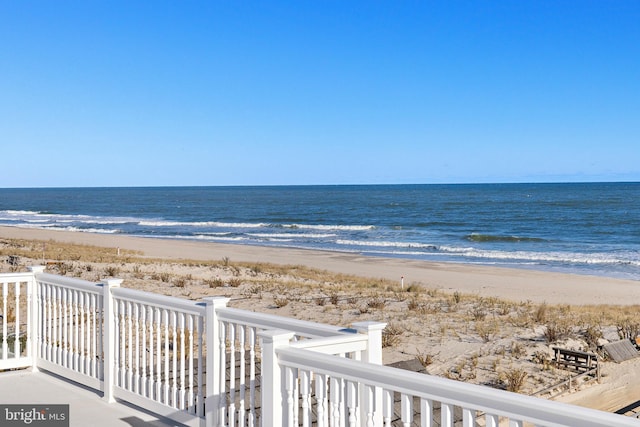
<point x="108" y="93"/>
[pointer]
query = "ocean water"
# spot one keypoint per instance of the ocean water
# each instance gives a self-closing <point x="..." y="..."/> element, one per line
<point x="585" y="228"/>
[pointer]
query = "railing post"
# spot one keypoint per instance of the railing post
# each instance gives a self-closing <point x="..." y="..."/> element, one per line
<point x="109" y="338"/>
<point x="373" y="355"/>
<point x="273" y="404"/>
<point x="214" y="372"/>
<point x="374" y="348"/>
<point x="33" y="335"/>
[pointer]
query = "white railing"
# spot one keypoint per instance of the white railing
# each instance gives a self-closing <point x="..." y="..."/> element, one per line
<point x="16" y="310"/>
<point x="68" y="327"/>
<point x="334" y="391"/>
<point x="204" y="364"/>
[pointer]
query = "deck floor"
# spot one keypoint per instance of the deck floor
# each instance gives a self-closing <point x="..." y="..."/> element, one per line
<point x="86" y="406"/>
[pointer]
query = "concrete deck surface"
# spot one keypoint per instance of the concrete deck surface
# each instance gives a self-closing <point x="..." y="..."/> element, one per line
<point x="86" y="406"/>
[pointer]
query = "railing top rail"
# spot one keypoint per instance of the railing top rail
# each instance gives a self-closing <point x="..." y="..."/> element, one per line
<point x="160" y="301"/>
<point x="15" y="277"/>
<point x="69" y="282"/>
<point x="499" y="402"/>
<point x="335" y="344"/>
<point x="302" y="328"/>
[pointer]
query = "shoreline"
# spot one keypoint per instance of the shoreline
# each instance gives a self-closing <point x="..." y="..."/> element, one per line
<point x="480" y="280"/>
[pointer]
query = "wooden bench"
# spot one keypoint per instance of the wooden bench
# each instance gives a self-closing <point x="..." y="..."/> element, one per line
<point x="574" y="360"/>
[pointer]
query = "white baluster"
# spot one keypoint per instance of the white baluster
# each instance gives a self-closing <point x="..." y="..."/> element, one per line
<point x="41" y="315"/>
<point x="94" y="334"/>
<point x="174" y="360"/>
<point x="16" y="341"/>
<point x="251" y="421"/>
<point x="46" y="319"/>
<point x="158" y="320"/>
<point x="152" y="351"/>
<point x="65" y="328"/>
<point x="57" y="316"/>
<point x="5" y="293"/>
<point x="305" y="395"/>
<point x="136" y="371"/>
<point x="335" y="393"/>
<point x="321" y="400"/>
<point x="82" y="361"/>
<point x="241" y="406"/>
<point x="76" y="331"/>
<point x="406" y="411"/>
<point x="468" y="416"/>
<point x="129" y="345"/>
<point x="515" y="423"/>
<point x="369" y="404"/>
<point x="232" y="374"/>
<point x="290" y="378"/>
<point x="69" y="328"/>
<point x="352" y="403"/>
<point x="190" y="404"/>
<point x="120" y="357"/>
<point x="200" y="395"/>
<point x="446" y="415"/>
<point x="223" y="370"/>
<point x="143" y="351"/>
<point x="426" y="412"/>
<point x="99" y="305"/>
<point x="491" y="420"/>
<point x="181" y="389"/>
<point x="122" y="344"/>
<point x="387" y="407"/>
<point x="167" y="356"/>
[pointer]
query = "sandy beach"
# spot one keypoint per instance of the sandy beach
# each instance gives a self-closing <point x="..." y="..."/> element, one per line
<point x="486" y="281"/>
<point x="466" y="322"/>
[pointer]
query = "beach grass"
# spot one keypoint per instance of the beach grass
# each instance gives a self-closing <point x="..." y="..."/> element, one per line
<point x="467" y="337"/>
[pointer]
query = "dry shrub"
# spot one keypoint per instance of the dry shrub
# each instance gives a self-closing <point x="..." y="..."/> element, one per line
<point x="376" y="303"/>
<point x="486" y="330"/>
<point x="214" y="283"/>
<point x="457" y="297"/>
<point x="555" y="331"/>
<point x="163" y="277"/>
<point x="514" y="379"/>
<point x="592" y="334"/>
<point x="234" y="282"/>
<point x="504" y="308"/>
<point x="415" y="288"/>
<point x="478" y="312"/>
<point x="517" y="350"/>
<point x="628" y="327"/>
<point x="280" y="301"/>
<point x="413" y="304"/>
<point x="334" y="298"/>
<point x="391" y="335"/>
<point x="540" y="315"/>
<point x="425" y="359"/>
<point x="111" y="271"/>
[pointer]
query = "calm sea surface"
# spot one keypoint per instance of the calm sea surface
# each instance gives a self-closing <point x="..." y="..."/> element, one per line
<point x="579" y="228"/>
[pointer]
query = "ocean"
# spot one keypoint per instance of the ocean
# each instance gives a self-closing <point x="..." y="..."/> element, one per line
<point x="583" y="228"/>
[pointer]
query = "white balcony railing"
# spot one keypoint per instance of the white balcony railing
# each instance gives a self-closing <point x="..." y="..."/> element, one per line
<point x="204" y="364"/>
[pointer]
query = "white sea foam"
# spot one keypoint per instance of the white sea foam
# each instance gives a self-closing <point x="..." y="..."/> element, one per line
<point x="292" y="235"/>
<point x="330" y="227"/>
<point x="81" y="230"/>
<point x="160" y="223"/>
<point x="39" y="217"/>
<point x="385" y="244"/>
<point x="597" y="258"/>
